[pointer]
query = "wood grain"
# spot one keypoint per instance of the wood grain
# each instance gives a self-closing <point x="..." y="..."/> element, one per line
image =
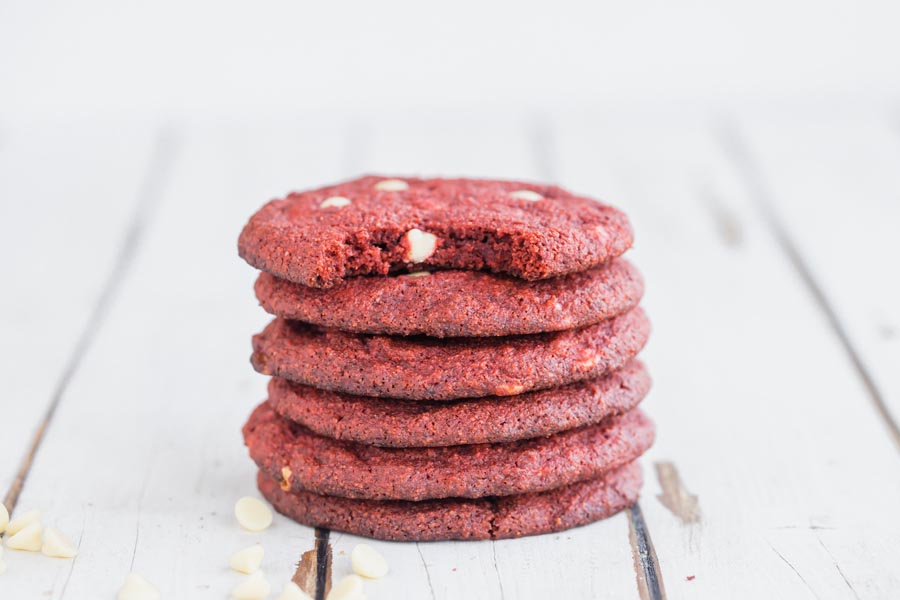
<point x="753" y="396"/>
<point x="56" y="196"/>
<point x="757" y="399"/>
<point x="829" y="189"/>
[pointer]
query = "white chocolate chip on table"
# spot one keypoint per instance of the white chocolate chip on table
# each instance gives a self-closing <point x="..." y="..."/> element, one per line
<point x="348" y="588"/>
<point x="137" y="588"/>
<point x="368" y="562"/>
<point x="19" y="522"/>
<point x="391" y="185"/>
<point x="421" y="245"/>
<point x="335" y="202"/>
<point x="56" y="545"/>
<point x="253" y="514"/>
<point x="248" y="559"/>
<point x="28" y="538"/>
<point x="253" y="587"/>
<point x="292" y="591"/>
<point x="4" y="517"/>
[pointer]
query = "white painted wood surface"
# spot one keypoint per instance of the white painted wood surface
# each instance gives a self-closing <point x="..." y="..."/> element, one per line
<point x="757" y="401"/>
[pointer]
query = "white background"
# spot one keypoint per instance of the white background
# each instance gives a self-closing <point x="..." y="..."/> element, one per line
<point x="247" y="57"/>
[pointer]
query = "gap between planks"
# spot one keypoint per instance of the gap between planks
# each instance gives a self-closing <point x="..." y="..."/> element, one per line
<point x="157" y="174"/>
<point x="736" y="147"/>
<point x="646" y="565"/>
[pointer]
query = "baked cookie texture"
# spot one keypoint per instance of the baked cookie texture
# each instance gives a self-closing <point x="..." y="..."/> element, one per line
<point x="362" y="227"/>
<point x="457" y="303"/>
<point x="459" y="518"/>
<point x="396" y="423"/>
<point x="450" y="358"/>
<point x="304" y="461"/>
<point x="422" y="368"/>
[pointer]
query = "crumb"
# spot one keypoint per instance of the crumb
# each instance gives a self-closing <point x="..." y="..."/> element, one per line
<point x="689" y="578"/>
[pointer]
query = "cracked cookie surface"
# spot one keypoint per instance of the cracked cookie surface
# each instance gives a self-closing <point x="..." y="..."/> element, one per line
<point x="375" y="226"/>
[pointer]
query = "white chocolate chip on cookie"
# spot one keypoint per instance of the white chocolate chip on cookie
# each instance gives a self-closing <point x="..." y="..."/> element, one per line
<point x="529" y="195"/>
<point x="4" y="517"/>
<point x="391" y="185"/>
<point x="335" y="202"/>
<point x="421" y="245"/>
<point x="286" y="475"/>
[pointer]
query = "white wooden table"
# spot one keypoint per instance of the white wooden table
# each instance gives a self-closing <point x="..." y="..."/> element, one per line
<point x="769" y="241"/>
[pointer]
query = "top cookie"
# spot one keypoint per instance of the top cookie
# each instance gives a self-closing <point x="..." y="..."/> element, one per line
<point x="374" y="225"/>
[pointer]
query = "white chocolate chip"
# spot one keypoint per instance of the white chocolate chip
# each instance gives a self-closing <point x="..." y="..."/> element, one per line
<point x="28" y="538"/>
<point x="4" y="517"/>
<point x="335" y="201"/>
<point x="588" y="360"/>
<point x="509" y="390"/>
<point x="252" y="514"/>
<point x="137" y="588"/>
<point x="529" y="195"/>
<point x="22" y="521"/>
<point x="368" y="562"/>
<point x="57" y="545"/>
<point x="247" y="560"/>
<point x="253" y="587"/>
<point x="391" y="185"/>
<point x="348" y="588"/>
<point x="421" y="245"/>
<point x="417" y="274"/>
<point x="286" y="475"/>
<point x="292" y="591"/>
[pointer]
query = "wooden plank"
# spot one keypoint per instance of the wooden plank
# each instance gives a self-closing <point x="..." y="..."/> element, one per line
<point x="69" y="190"/>
<point x="758" y="409"/>
<point x="145" y="459"/>
<point x="832" y="186"/>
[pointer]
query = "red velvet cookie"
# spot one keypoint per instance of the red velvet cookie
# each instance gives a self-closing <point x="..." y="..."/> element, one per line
<point x="463" y="519"/>
<point x="304" y="461"/>
<point x="421" y="368"/>
<point x="374" y="226"/>
<point x="458" y="303"/>
<point x="409" y="423"/>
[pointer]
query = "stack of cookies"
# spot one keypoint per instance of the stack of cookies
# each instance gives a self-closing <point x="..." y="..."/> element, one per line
<point x="450" y="359"/>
